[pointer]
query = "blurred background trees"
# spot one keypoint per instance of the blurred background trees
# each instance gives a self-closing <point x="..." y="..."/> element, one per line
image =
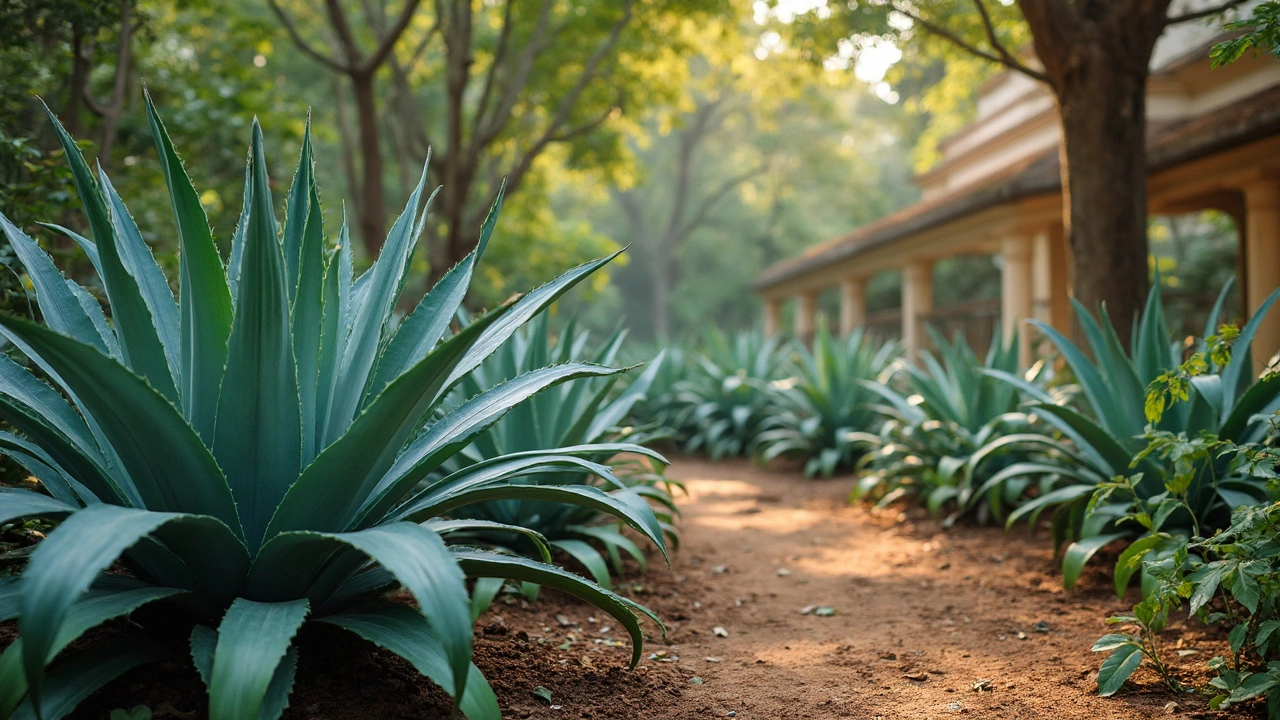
<point x="712" y="136"/>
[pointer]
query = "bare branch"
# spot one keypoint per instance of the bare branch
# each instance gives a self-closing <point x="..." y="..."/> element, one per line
<point x="302" y="44"/>
<point x="960" y="42"/>
<point x="346" y="38"/>
<point x="1201" y="14"/>
<point x="388" y="42"/>
<point x="715" y="196"/>
<point x="490" y="127"/>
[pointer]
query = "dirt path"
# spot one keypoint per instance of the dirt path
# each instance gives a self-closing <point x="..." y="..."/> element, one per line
<point x="920" y="614"/>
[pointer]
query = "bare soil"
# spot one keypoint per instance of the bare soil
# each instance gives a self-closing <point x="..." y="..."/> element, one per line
<point x="921" y="614"/>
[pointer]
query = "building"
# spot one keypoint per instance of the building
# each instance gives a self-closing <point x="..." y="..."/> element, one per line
<point x="1213" y="141"/>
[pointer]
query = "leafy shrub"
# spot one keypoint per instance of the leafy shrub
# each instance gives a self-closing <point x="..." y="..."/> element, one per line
<point x="585" y="415"/>
<point x="725" y="401"/>
<point x="1154" y="492"/>
<point x="246" y="451"/>
<point x="938" y="418"/>
<point x="815" y="413"/>
<point x="1231" y="578"/>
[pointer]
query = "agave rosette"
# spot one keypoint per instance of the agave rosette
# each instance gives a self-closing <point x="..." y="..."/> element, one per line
<point x="255" y="450"/>
<point x="587" y="414"/>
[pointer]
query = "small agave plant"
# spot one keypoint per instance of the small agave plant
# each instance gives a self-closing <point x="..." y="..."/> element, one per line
<point x="588" y="415"/>
<point x="254" y="452"/>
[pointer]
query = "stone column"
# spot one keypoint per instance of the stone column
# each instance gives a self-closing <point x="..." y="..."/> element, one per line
<point x="805" y="309"/>
<point x="772" y="315"/>
<point x="1015" y="293"/>
<point x="1262" y="262"/>
<point x="1050" y="284"/>
<point x="853" y="304"/>
<point x="917" y="301"/>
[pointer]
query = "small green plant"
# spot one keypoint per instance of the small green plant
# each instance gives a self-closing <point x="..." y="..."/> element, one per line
<point x="816" y="412"/>
<point x="253" y="453"/>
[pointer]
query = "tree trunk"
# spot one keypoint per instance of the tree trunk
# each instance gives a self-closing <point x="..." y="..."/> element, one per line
<point x="371" y="211"/>
<point x="1104" y="177"/>
<point x="662" y="282"/>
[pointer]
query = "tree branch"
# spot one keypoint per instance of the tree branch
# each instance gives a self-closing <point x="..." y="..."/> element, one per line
<point x="388" y="43"/>
<point x="1005" y="56"/>
<point x="1201" y="14"/>
<point x="302" y="44"/>
<point x="960" y="42"/>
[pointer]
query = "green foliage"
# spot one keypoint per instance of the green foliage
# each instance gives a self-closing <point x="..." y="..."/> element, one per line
<point x="249" y="451"/>
<point x="1123" y="477"/>
<point x="818" y="410"/>
<point x="938" y="422"/>
<point x="725" y="402"/>
<point x="1261" y="33"/>
<point x="588" y="415"/>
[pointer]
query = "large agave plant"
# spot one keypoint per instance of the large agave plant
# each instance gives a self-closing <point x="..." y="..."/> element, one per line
<point x="588" y="416"/>
<point x="1104" y="440"/>
<point x="937" y="417"/>
<point x="816" y="413"/>
<point x="252" y="452"/>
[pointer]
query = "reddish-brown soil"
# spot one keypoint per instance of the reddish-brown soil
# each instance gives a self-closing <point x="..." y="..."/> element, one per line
<point x="921" y="614"/>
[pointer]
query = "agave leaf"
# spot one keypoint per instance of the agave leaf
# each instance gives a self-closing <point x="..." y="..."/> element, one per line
<point x="589" y="557"/>
<point x="331" y="490"/>
<point x="59" y="305"/>
<point x="18" y="504"/>
<point x="151" y="282"/>
<point x="258" y="432"/>
<point x="622" y="504"/>
<point x="65" y="455"/>
<point x="140" y="343"/>
<point x="308" y="325"/>
<point x="99" y="606"/>
<point x="370" y="314"/>
<point x="253" y="639"/>
<point x="455" y="430"/>
<point x="446" y="527"/>
<point x="1237" y="373"/>
<point x="86" y="543"/>
<point x="84" y="673"/>
<point x="298" y="212"/>
<point x="524" y="309"/>
<point x="88" y="246"/>
<point x="19" y="384"/>
<point x="419" y="333"/>
<point x="413" y="554"/>
<point x="171" y="468"/>
<point x="204" y="300"/>
<point x="481" y="564"/>
<point x="406" y="633"/>
<point x="1074" y="559"/>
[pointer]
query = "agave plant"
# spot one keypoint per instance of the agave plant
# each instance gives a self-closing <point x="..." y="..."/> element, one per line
<point x="249" y="453"/>
<point x="937" y="417"/>
<point x="816" y="413"/>
<point x="725" y="398"/>
<point x="1104" y="445"/>
<point x="587" y="417"/>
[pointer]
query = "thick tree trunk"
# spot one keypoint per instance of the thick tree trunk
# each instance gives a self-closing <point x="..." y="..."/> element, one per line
<point x="1104" y="176"/>
<point x="371" y="211"/>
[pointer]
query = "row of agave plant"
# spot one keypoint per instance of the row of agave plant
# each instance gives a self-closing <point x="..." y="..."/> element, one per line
<point x="1164" y="446"/>
<point x="279" y="445"/>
